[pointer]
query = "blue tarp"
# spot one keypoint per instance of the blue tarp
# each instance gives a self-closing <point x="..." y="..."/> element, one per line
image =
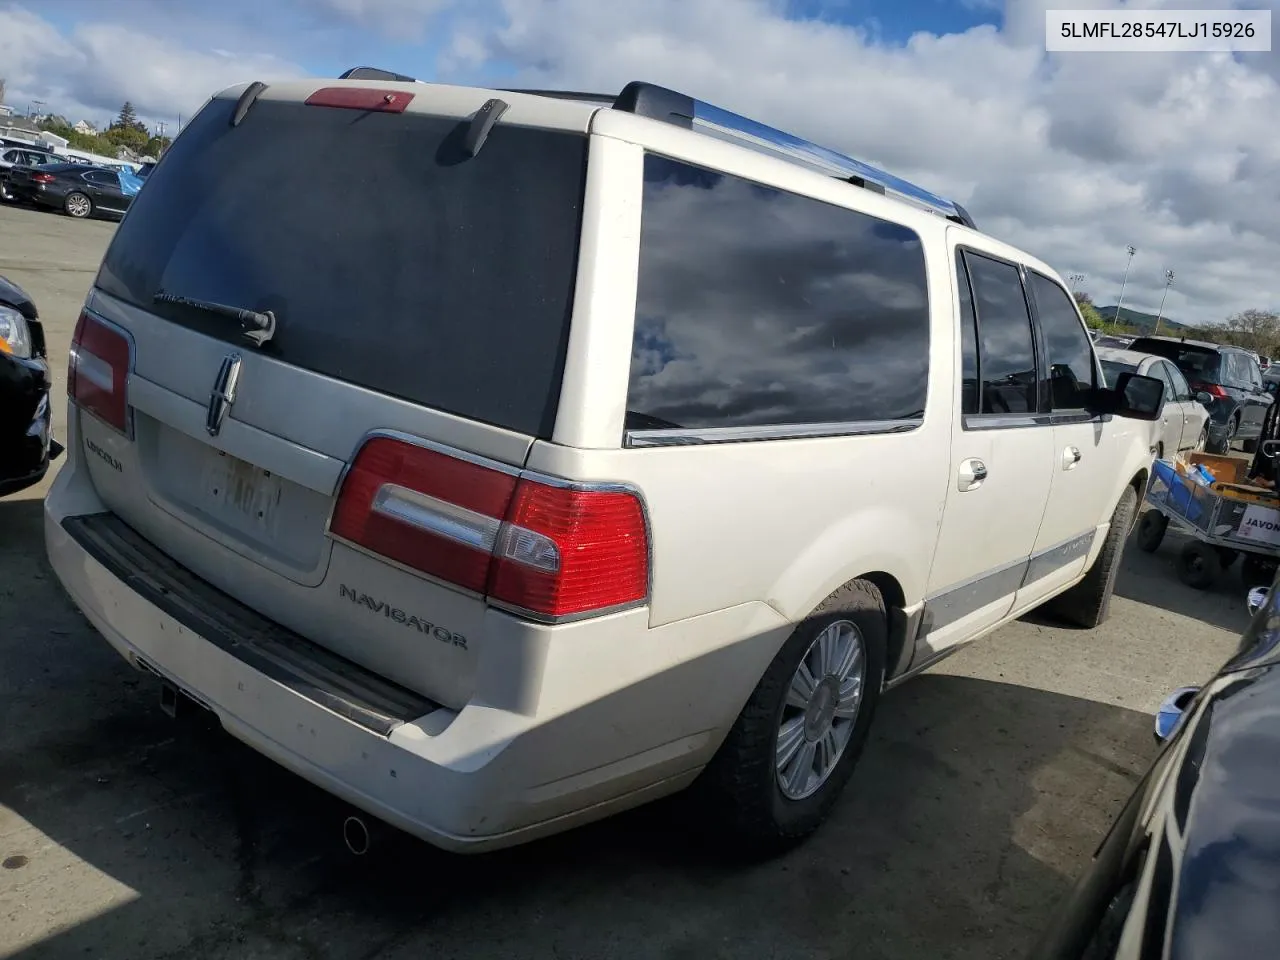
<point x="130" y="183"/>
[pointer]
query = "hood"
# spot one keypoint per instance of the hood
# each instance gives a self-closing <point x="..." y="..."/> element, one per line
<point x="14" y="296"/>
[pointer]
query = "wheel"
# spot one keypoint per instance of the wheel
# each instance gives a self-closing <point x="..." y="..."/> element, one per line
<point x="77" y="205"/>
<point x="1257" y="571"/>
<point x="1203" y="442"/>
<point x="1088" y="603"/>
<point x="1151" y="529"/>
<point x="1249" y="446"/>
<point x="1199" y="565"/>
<point x="5" y="193"/>
<point x="1233" y="427"/>
<point x="1227" y="556"/>
<point x="786" y="759"/>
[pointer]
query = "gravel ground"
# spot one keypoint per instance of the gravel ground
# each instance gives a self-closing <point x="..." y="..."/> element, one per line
<point x="987" y="784"/>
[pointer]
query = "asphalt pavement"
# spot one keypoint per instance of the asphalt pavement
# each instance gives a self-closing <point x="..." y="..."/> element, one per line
<point x="986" y="786"/>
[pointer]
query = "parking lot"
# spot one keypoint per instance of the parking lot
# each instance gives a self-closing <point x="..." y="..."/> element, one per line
<point x="985" y="787"/>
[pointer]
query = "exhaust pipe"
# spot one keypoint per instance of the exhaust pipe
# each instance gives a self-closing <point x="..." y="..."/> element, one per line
<point x="355" y="834"/>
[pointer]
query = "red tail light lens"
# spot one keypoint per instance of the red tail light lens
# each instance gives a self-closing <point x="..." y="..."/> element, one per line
<point x="548" y="550"/>
<point x="1214" y="390"/>
<point x="98" y="372"/>
<point x="565" y="551"/>
<point x="43" y="177"/>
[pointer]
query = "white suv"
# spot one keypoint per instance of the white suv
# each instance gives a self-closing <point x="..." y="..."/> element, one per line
<point x="501" y="460"/>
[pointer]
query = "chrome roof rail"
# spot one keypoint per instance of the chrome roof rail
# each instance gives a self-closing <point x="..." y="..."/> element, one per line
<point x="669" y="106"/>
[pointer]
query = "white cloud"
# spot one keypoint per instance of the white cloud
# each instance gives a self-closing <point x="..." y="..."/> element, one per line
<point x="1071" y="157"/>
<point x="101" y="65"/>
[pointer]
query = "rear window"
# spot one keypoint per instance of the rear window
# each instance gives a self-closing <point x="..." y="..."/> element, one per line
<point x="1196" y="363"/>
<point x="389" y="259"/>
<point x="1111" y="370"/>
<point x="762" y="308"/>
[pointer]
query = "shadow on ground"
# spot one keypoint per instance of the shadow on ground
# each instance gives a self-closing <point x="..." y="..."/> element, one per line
<point x="973" y="806"/>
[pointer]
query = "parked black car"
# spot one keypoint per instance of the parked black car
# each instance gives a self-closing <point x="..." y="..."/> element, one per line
<point x="77" y="189"/>
<point x="1191" y="867"/>
<point x="1229" y="375"/>
<point x="26" y="432"/>
<point x="11" y="157"/>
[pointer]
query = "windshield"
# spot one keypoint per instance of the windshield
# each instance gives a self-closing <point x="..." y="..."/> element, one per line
<point x="1111" y="369"/>
<point x="388" y="260"/>
<point x="1196" y="363"/>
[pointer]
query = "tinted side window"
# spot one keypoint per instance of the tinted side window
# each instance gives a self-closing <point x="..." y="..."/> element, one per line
<point x="98" y="177"/>
<point x="758" y="307"/>
<point x="1071" y="368"/>
<point x="1006" y="356"/>
<point x="969" y="392"/>
<point x="1181" y="390"/>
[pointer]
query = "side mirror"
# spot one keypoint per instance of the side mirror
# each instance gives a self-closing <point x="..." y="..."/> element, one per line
<point x="1171" y="712"/>
<point x="1134" y="396"/>
<point x="1205" y="398"/>
<point x="1257" y="599"/>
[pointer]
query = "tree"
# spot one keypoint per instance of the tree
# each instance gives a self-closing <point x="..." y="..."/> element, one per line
<point x="127" y="136"/>
<point x="128" y="116"/>
<point x="1092" y="318"/>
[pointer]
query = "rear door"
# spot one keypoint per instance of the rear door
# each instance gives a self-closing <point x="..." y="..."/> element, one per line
<point x="1001" y="457"/>
<point x="1169" y="435"/>
<point x="419" y="295"/>
<point x="104" y="188"/>
<point x="1195" y="416"/>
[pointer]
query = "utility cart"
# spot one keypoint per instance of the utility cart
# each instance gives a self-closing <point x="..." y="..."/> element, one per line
<point x="1225" y="515"/>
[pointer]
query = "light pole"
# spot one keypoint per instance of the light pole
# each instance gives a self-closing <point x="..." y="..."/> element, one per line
<point x="1074" y="279"/>
<point x="1168" y="282"/>
<point x="1131" y="249"/>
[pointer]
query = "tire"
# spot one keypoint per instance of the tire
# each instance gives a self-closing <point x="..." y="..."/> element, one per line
<point x="5" y="193"/>
<point x="742" y="790"/>
<point x="1227" y="556"/>
<point x="1257" y="571"/>
<point x="1202" y="444"/>
<point x="76" y="204"/>
<point x="1249" y="446"/>
<point x="1199" y="565"/>
<point x="1088" y="603"/>
<point x="1151" y="530"/>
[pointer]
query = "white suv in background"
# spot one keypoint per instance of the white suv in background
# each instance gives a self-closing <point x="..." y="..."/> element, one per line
<point x="501" y="460"/>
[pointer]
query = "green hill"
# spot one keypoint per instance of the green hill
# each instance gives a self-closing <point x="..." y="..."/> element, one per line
<point x="1146" y="322"/>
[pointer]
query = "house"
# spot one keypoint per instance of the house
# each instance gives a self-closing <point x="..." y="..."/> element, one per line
<point x="85" y="127"/>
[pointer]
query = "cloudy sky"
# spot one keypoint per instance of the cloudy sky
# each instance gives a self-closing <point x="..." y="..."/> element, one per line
<point x="1071" y="156"/>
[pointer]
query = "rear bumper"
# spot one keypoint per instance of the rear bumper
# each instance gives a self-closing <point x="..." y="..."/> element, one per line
<point x="591" y="741"/>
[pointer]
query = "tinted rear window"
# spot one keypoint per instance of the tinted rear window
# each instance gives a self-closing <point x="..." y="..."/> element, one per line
<point x="760" y="308"/>
<point x="389" y="259"/>
<point x="1111" y="370"/>
<point x="1196" y="363"/>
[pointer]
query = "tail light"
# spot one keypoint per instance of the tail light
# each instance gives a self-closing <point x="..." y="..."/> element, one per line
<point x="548" y="549"/>
<point x="43" y="177"/>
<point x="98" y="372"/>
<point x="1214" y="390"/>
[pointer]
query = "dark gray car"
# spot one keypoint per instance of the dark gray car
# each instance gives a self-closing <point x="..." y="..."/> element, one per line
<point x="1230" y="375"/>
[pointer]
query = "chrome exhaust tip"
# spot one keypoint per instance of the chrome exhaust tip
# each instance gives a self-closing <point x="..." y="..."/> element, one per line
<point x="355" y="834"/>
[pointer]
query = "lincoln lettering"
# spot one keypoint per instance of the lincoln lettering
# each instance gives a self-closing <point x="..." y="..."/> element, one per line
<point x="402" y="617"/>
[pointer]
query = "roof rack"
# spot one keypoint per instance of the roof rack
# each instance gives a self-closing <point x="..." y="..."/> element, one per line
<point x="670" y="106"/>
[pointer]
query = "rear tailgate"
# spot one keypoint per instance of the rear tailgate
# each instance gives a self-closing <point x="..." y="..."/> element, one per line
<point x="416" y="292"/>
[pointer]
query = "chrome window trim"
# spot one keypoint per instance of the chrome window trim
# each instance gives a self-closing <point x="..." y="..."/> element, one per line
<point x="686" y="436"/>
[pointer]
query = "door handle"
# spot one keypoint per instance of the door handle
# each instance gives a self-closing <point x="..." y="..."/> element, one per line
<point x="972" y="472"/>
<point x="1070" y="457"/>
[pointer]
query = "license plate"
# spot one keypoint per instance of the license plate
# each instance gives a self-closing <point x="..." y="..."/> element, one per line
<point x="242" y="493"/>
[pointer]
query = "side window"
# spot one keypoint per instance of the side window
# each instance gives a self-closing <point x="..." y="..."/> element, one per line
<point x="1006" y="355"/>
<point x="1160" y="369"/>
<point x="101" y="178"/>
<point x="1181" y="389"/>
<point x="969" y="393"/>
<point x="1071" y="366"/>
<point x="761" y="308"/>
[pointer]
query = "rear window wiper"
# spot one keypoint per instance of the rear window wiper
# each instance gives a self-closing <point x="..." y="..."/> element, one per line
<point x="262" y="324"/>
